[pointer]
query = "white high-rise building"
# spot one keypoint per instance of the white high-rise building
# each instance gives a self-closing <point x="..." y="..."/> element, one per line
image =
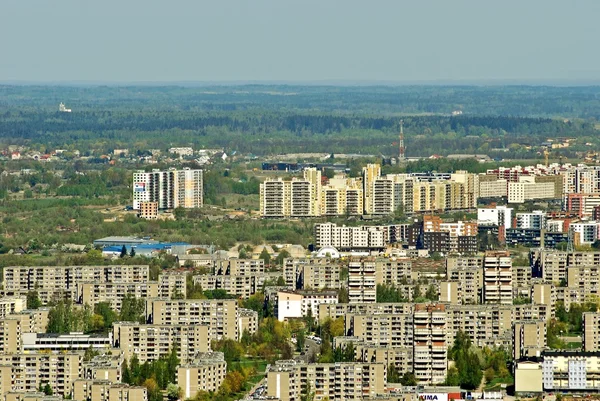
<point x="171" y="188"/>
<point x="497" y="216"/>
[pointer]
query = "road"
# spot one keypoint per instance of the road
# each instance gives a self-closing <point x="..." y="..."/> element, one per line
<point x="313" y="349"/>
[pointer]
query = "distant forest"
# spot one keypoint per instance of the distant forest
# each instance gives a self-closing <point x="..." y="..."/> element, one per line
<point x="266" y="120"/>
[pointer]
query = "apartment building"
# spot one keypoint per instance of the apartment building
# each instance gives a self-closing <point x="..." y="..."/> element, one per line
<point x="385" y="330"/>
<point x="149" y="342"/>
<point x="247" y="321"/>
<point x="171" y="283"/>
<point x="293" y="198"/>
<point x="564" y="370"/>
<point x="585" y="233"/>
<point x="148" y="210"/>
<point x="343" y="381"/>
<point x="14" y="326"/>
<point x="297" y="304"/>
<point x="220" y="314"/>
<point x="362" y="280"/>
<point x="430" y="346"/>
<point x="534" y="220"/>
<point x="591" y="331"/>
<point x="12" y="305"/>
<point x="62" y="280"/>
<point x="530" y="189"/>
<point x="334" y="311"/>
<point x="552" y="265"/>
<point x="495" y="216"/>
<point x="529" y="339"/>
<point x="104" y="367"/>
<point x="205" y="373"/>
<point x="239" y="267"/>
<point x="105" y="390"/>
<point x="393" y="271"/>
<point x="242" y="286"/>
<point x="497" y="278"/>
<point x="30" y="370"/>
<point x="311" y="273"/>
<point x="544" y="293"/>
<point x="91" y="293"/>
<point x="486" y="325"/>
<point x="342" y="196"/>
<point x="467" y="272"/>
<point x="350" y="238"/>
<point x="582" y="205"/>
<point x="170" y="189"/>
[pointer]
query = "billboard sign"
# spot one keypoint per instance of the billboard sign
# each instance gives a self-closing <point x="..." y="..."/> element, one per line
<point x="433" y="397"/>
<point x="139" y="187"/>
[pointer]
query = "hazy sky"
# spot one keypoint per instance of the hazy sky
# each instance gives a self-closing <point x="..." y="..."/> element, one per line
<point x="285" y="40"/>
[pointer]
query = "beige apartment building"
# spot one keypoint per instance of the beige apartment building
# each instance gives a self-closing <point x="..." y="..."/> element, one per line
<point x="342" y="197"/>
<point x="62" y="280"/>
<point x="362" y="280"/>
<point x="342" y="381"/>
<point x="105" y="390"/>
<point x="591" y="331"/>
<point x="91" y="293"/>
<point x="247" y="321"/>
<point x="220" y="314"/>
<point x="104" y="367"/>
<point x="497" y="278"/>
<point x="205" y="373"/>
<point x="14" y="326"/>
<point x="486" y="325"/>
<point x="385" y="330"/>
<point x="468" y="273"/>
<point x="401" y="357"/>
<point x="149" y="342"/>
<point x="239" y="267"/>
<point x="553" y="264"/>
<point x="430" y="345"/>
<point x="242" y="286"/>
<point x="30" y="370"/>
<point x="529" y="339"/>
<point x="12" y="305"/>
<point x="351" y="238"/>
<point x="312" y="273"/>
<point x="544" y="293"/>
<point x="171" y="283"/>
<point x="334" y="311"/>
<point x="393" y="271"/>
<point x="295" y="198"/>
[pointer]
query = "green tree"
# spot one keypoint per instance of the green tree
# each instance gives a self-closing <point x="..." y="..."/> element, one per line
<point x="132" y="309"/>
<point x="33" y="300"/>
<point x="123" y="252"/>
<point x="174" y="392"/>
<point x="408" y="379"/>
<point x="48" y="389"/>
<point x="264" y="255"/>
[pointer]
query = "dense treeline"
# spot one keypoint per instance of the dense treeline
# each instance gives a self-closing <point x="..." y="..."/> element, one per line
<point x="489" y="100"/>
<point x="262" y="132"/>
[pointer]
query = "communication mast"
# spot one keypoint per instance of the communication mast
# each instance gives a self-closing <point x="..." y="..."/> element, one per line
<point x="402" y="149"/>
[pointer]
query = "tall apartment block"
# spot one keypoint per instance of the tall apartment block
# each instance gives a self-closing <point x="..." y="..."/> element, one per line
<point x="430" y="347"/>
<point x="529" y="339"/>
<point x="205" y="373"/>
<point x="591" y="331"/>
<point x="362" y="280"/>
<point x="171" y="188"/>
<point x="497" y="278"/>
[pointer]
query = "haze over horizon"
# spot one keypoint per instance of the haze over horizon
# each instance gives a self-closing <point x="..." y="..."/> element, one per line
<point x="311" y="42"/>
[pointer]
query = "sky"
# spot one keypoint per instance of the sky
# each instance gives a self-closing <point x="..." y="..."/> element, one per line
<point x="299" y="41"/>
